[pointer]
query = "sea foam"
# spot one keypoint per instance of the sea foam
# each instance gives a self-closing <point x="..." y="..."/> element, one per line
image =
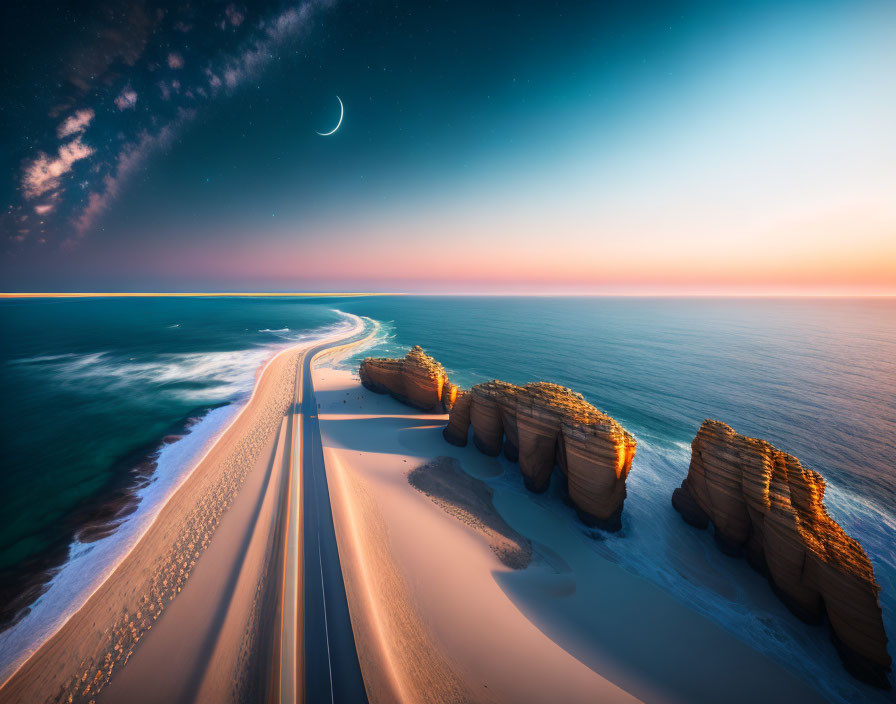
<point x="227" y="376"/>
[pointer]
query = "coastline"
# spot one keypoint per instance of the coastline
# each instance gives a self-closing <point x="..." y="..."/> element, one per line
<point x="104" y="630"/>
<point x="68" y="588"/>
<point x="392" y="570"/>
<point x="421" y="580"/>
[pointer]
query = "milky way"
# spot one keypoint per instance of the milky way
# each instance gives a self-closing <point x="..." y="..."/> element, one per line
<point x="131" y="78"/>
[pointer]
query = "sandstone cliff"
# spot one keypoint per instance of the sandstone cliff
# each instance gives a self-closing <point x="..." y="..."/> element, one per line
<point x="416" y="379"/>
<point x="763" y="503"/>
<point x="544" y="425"/>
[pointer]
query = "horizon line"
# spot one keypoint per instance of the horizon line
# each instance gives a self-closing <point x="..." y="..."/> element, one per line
<point x="349" y="294"/>
<point x="185" y="294"/>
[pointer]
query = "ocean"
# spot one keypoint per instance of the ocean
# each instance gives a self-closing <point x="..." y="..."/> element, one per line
<point x="106" y="402"/>
<point x="106" y="405"/>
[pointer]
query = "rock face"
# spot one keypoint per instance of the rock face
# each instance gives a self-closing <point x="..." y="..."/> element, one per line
<point x="416" y="379"/>
<point x="459" y="420"/>
<point x="763" y="503"/>
<point x="544" y="425"/>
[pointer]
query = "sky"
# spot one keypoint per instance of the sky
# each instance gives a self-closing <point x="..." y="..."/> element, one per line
<point x="552" y="147"/>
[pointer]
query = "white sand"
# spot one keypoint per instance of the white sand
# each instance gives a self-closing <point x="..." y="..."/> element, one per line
<point x="438" y="618"/>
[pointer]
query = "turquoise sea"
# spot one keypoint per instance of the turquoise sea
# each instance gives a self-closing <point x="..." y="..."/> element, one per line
<point x="105" y="403"/>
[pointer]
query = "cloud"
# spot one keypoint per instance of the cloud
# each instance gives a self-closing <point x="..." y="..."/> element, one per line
<point x="127" y="99"/>
<point x="214" y="81"/>
<point x="128" y="161"/>
<point x="43" y="176"/>
<point x="232" y="77"/>
<point x="75" y="124"/>
<point x="288" y="22"/>
<point x="261" y="50"/>
<point x="234" y="15"/>
<point x="169" y="89"/>
<point x="117" y="35"/>
<point x="44" y="173"/>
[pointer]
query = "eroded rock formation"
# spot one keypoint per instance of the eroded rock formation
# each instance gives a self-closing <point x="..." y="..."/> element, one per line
<point x="544" y="425"/>
<point x="459" y="419"/>
<point x="763" y="503"/>
<point x="416" y="379"/>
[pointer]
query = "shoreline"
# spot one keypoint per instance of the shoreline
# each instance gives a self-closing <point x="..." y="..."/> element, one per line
<point x="424" y="576"/>
<point x="104" y="515"/>
<point x="67" y="587"/>
<point x="566" y="627"/>
<point x="131" y="595"/>
<point x="161" y="468"/>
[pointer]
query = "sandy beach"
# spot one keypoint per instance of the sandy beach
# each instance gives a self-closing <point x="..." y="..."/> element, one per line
<point x="440" y="616"/>
<point x="202" y="564"/>
<point x="460" y="587"/>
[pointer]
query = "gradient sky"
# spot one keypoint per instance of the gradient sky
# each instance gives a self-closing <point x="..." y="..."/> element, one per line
<point x="733" y="147"/>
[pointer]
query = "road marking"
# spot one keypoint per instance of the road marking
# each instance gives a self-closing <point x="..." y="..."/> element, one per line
<point x="323" y="591"/>
<point x="289" y="688"/>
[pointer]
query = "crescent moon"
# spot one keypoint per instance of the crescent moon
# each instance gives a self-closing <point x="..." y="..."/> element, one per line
<point x="341" y="114"/>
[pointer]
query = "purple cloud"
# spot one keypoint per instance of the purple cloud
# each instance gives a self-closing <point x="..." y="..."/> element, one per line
<point x="259" y="52"/>
<point x="45" y="172"/>
<point x="75" y="124"/>
<point x="234" y="15"/>
<point x="127" y="99"/>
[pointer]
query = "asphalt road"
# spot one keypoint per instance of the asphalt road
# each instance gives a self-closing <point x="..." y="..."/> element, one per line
<point x="332" y="672"/>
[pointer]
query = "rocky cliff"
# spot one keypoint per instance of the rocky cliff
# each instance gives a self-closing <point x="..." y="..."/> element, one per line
<point x="544" y="425"/>
<point x="416" y="379"/>
<point x="763" y="503"/>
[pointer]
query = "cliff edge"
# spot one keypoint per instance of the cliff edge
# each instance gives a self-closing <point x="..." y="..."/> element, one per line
<point x="543" y="425"/>
<point x="415" y="379"/>
<point x="763" y="503"/>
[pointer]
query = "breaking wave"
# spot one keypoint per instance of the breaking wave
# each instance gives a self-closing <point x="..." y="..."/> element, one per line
<point x="203" y="378"/>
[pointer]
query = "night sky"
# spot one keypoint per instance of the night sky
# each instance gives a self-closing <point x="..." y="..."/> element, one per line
<point x="517" y="147"/>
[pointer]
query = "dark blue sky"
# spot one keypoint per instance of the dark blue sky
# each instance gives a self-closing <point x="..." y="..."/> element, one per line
<point x="592" y="146"/>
